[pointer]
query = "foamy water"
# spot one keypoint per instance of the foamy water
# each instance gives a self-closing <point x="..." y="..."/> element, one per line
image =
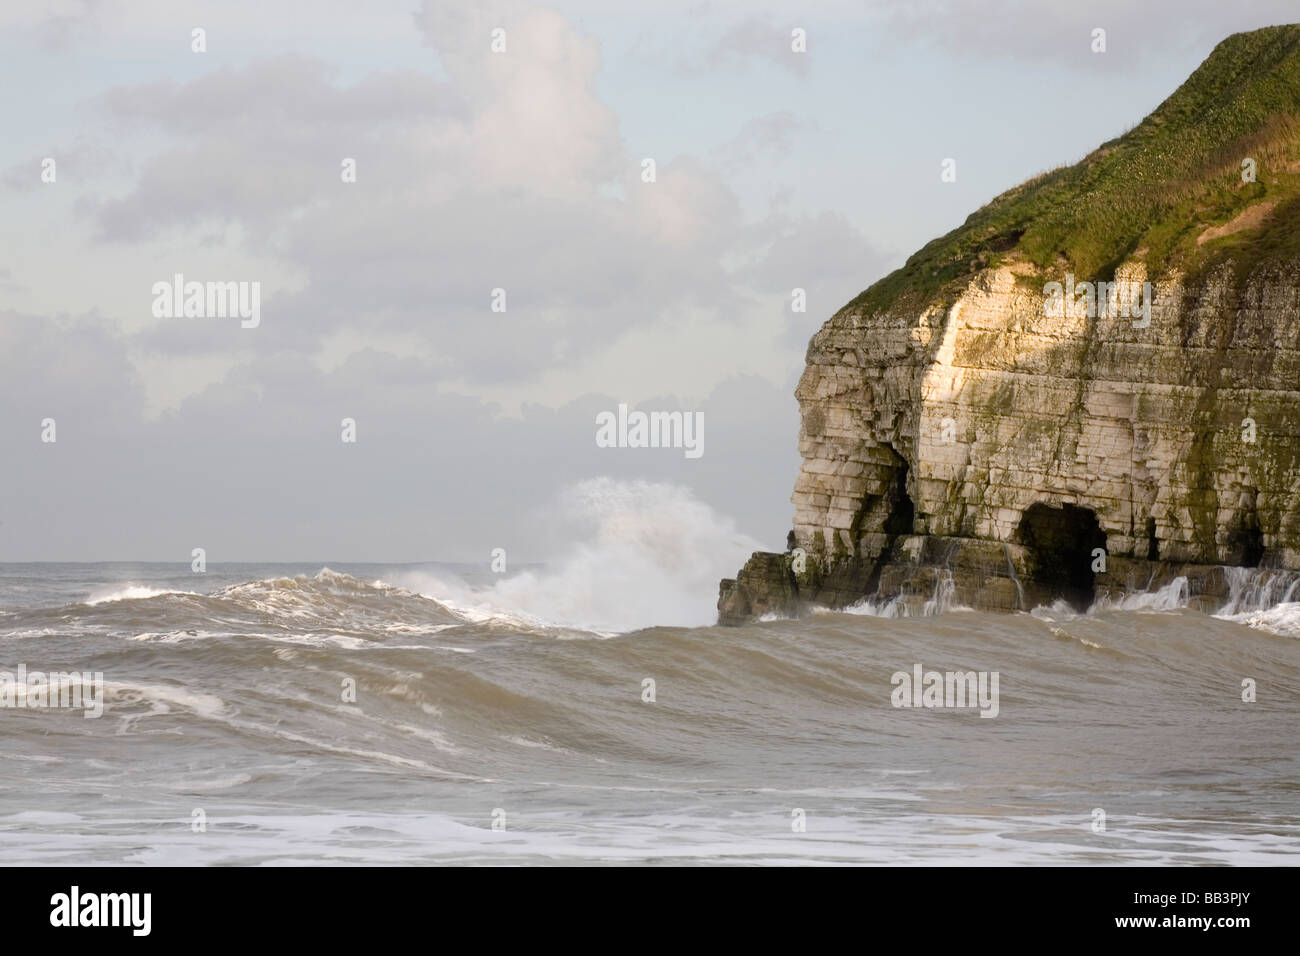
<point x="375" y="714"/>
<point x="643" y="554"/>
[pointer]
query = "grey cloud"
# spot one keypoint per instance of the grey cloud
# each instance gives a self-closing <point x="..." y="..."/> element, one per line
<point x="411" y="247"/>
<point x="255" y="145"/>
<point x="823" y="254"/>
<point x="511" y="173"/>
<point x="253" y="467"/>
<point x="763" y="136"/>
<point x="749" y="42"/>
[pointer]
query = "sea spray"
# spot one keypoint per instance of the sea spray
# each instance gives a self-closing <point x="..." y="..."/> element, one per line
<point x="1169" y="597"/>
<point x="942" y="599"/>
<point x="1265" y="599"/>
<point x="639" y="553"/>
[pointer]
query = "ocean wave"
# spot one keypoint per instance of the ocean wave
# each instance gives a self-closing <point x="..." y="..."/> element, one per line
<point x="641" y="554"/>
<point x="591" y="592"/>
<point x="161" y="699"/>
<point x="129" y="592"/>
<point x="339" y="606"/>
<point x="745" y="725"/>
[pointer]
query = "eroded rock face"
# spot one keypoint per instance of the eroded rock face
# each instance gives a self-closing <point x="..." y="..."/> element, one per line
<point x="1053" y="439"/>
<point x="765" y="585"/>
<point x="984" y="422"/>
<point x="994" y="407"/>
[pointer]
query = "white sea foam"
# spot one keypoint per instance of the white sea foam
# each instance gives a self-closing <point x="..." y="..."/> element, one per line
<point x="1067" y="636"/>
<point x="1058" y="610"/>
<point x="906" y="838"/>
<point x="128" y="592"/>
<point x="161" y="698"/>
<point x="1283" y="619"/>
<point x="1170" y="597"/>
<point x="942" y="600"/>
<point x="1251" y="590"/>
<point x="644" y="554"/>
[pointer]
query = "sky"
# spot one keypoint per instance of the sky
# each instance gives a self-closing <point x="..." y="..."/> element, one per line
<point x="521" y="169"/>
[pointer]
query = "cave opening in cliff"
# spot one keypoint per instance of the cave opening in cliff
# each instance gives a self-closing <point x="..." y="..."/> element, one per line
<point x="881" y="520"/>
<point x="1246" y="542"/>
<point x="901" y="509"/>
<point x="1061" y="544"/>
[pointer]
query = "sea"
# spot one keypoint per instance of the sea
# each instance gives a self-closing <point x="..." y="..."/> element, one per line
<point x="590" y="712"/>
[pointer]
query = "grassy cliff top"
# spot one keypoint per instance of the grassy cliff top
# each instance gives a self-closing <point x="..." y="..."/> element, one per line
<point x="1151" y="193"/>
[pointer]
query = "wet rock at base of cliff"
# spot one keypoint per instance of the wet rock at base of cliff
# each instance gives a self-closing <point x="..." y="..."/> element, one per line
<point x="765" y="585"/>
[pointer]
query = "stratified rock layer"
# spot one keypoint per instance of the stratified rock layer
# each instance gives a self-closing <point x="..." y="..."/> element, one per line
<point x="1178" y="442"/>
<point x="1063" y="455"/>
<point x="989" y="407"/>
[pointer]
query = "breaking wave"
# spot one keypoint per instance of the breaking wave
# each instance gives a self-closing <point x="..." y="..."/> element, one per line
<point x="642" y="554"/>
<point x="325" y="715"/>
<point x="129" y="592"/>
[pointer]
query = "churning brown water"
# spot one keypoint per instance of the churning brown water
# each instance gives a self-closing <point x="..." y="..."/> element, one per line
<point x="228" y="733"/>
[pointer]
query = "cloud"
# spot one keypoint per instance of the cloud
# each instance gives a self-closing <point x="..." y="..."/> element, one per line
<point x="498" y="178"/>
<point x="753" y="42"/>
<point x="253" y="467"/>
<point x="1059" y="32"/>
<point x="760" y="138"/>
<point x="478" y="171"/>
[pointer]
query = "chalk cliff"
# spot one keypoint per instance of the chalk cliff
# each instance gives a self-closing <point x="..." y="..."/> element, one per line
<point x="967" y="425"/>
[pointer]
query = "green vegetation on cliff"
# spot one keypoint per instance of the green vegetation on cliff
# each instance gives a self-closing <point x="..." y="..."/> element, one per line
<point x="1153" y="192"/>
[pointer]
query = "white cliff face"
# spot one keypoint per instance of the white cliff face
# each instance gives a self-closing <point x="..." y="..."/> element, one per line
<point x="984" y="425"/>
<point x="1182" y="437"/>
